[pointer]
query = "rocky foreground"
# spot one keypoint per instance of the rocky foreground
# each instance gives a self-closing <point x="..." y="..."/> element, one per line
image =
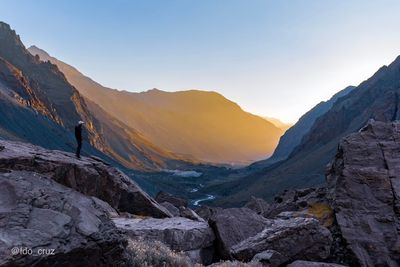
<point x="56" y="210"/>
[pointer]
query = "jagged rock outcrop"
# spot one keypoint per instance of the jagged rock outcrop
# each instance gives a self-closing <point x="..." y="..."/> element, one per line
<point x="90" y="176"/>
<point x="180" y="234"/>
<point x="296" y="239"/>
<point x="66" y="228"/>
<point x="234" y="225"/>
<point x="364" y="188"/>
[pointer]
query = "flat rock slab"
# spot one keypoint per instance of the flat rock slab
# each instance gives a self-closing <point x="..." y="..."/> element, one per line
<point x="363" y="182"/>
<point x="235" y="225"/>
<point x="90" y="176"/>
<point x="69" y="228"/>
<point x="296" y="239"/>
<point x="178" y="233"/>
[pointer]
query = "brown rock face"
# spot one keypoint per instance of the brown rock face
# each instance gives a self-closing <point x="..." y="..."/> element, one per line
<point x="89" y="176"/>
<point x="364" y="187"/>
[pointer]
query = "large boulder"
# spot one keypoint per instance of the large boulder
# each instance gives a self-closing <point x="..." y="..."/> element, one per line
<point x="90" y="176"/>
<point x="207" y="212"/>
<point x="296" y="239"/>
<point x="43" y="223"/>
<point x="234" y="225"/>
<point x="259" y="205"/>
<point x="174" y="200"/>
<point x="180" y="234"/>
<point x="364" y="188"/>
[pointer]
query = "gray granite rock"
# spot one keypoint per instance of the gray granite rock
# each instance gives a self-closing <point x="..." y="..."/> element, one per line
<point x="60" y="226"/>
<point x="190" y="214"/>
<point x="259" y="205"/>
<point x="171" y="208"/>
<point x="90" y="176"/>
<point x="270" y="258"/>
<point x="234" y="225"/>
<point x="364" y="189"/>
<point x="296" y="238"/>
<point x="180" y="234"/>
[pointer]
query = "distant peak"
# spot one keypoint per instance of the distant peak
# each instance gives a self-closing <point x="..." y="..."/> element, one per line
<point x="9" y="37"/>
<point x="154" y="91"/>
<point x="36" y="50"/>
<point x="4" y="25"/>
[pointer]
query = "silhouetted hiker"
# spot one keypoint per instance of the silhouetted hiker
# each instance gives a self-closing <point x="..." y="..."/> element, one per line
<point x="79" y="139"/>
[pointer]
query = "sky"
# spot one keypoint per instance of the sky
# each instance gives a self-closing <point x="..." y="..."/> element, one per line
<point x="273" y="58"/>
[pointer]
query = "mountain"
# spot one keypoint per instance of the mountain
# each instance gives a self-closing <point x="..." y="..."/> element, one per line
<point x="376" y="98"/>
<point x="40" y="89"/>
<point x="294" y="134"/>
<point x="278" y="123"/>
<point x="40" y="106"/>
<point x="201" y="124"/>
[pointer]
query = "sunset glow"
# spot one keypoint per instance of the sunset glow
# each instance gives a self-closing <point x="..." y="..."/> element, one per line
<point x="273" y="58"/>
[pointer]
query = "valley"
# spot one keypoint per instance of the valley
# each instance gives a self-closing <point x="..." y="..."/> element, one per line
<point x="185" y="143"/>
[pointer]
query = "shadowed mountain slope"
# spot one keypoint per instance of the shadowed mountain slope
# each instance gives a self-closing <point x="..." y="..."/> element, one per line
<point x="294" y="134"/>
<point x="376" y="98"/>
<point x="40" y="106"/>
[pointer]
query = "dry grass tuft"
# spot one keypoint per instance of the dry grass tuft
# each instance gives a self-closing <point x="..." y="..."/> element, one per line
<point x="155" y="254"/>
<point x="323" y="212"/>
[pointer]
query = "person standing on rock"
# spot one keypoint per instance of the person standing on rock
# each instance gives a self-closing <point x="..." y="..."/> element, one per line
<point x="79" y="138"/>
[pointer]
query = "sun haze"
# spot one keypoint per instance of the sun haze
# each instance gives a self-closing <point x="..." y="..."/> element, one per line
<point x="273" y="58"/>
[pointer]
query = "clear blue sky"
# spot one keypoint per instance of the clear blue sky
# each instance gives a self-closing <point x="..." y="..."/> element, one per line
<point x="274" y="58"/>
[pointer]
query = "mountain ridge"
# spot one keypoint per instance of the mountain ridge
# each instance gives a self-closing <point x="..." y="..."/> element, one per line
<point x="376" y="98"/>
<point x="203" y="124"/>
<point x="38" y="93"/>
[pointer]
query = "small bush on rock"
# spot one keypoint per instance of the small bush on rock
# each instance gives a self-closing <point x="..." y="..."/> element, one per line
<point x="155" y="254"/>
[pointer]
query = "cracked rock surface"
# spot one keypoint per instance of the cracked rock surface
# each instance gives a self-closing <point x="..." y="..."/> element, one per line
<point x="74" y="229"/>
<point x="364" y="188"/>
<point x="89" y="176"/>
<point x="296" y="239"/>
